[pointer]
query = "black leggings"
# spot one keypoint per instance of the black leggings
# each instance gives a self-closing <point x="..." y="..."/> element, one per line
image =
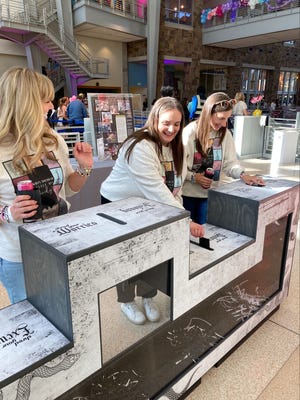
<point x="126" y="290"/>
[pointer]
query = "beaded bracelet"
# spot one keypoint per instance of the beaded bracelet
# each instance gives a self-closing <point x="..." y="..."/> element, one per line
<point x="4" y="216"/>
<point x="86" y="171"/>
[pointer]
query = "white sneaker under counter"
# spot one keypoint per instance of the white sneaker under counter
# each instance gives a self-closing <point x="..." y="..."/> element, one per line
<point x="151" y="310"/>
<point x="133" y="313"/>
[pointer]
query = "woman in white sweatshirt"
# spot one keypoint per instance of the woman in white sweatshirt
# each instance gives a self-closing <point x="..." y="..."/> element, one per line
<point x="211" y="154"/>
<point x="31" y="150"/>
<point x="150" y="164"/>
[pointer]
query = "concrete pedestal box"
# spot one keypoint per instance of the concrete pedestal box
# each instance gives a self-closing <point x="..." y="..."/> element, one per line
<point x="80" y="345"/>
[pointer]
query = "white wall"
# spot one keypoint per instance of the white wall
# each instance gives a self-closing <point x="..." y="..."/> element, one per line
<point x="11" y="54"/>
<point x="107" y="49"/>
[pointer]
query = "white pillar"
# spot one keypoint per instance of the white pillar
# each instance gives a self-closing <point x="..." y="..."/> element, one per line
<point x="153" y="23"/>
<point x="34" y="59"/>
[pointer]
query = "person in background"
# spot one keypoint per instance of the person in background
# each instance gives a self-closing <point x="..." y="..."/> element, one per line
<point x="44" y="71"/>
<point x="240" y="107"/>
<point x="209" y="144"/>
<point x="167" y="91"/>
<point x="83" y="98"/>
<point x="62" y="111"/>
<point x="145" y="104"/>
<point x="30" y="149"/>
<point x="153" y="101"/>
<point x="273" y="105"/>
<point x="185" y="103"/>
<point x="76" y="112"/>
<point x="196" y="104"/>
<point x="276" y="110"/>
<point x="150" y="164"/>
<point x="52" y="116"/>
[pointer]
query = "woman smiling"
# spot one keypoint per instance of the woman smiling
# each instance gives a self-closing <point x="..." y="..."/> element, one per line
<point x="211" y="154"/>
<point x="150" y="164"/>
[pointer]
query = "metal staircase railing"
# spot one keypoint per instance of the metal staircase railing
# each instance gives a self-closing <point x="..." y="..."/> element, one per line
<point x="40" y="19"/>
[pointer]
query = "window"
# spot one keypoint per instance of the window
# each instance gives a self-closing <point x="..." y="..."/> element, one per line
<point x="213" y="79"/>
<point x="253" y="83"/>
<point x="178" y="11"/>
<point x="287" y="88"/>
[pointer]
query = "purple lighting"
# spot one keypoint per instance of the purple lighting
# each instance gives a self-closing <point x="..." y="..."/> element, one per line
<point x="173" y="62"/>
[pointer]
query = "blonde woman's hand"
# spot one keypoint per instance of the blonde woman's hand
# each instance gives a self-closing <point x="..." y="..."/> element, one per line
<point x="83" y="153"/>
<point x="196" y="229"/>
<point x="23" y="207"/>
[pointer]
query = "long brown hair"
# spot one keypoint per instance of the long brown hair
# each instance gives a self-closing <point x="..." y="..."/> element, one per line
<point x="149" y="131"/>
<point x="22" y="122"/>
<point x="216" y="102"/>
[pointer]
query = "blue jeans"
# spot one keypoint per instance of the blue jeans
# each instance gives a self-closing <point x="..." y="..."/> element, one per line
<point x="197" y="207"/>
<point x="12" y="278"/>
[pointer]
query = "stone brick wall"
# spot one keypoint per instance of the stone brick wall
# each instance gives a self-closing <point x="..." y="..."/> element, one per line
<point x="188" y="43"/>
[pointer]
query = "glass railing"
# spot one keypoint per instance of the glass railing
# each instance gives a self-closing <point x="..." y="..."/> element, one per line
<point x="178" y="17"/>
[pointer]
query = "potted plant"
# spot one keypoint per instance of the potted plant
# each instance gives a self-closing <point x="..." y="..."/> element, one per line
<point x="256" y="100"/>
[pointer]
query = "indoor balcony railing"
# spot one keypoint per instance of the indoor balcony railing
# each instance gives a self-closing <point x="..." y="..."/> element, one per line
<point x="181" y="17"/>
<point x="209" y="18"/>
<point x="133" y="9"/>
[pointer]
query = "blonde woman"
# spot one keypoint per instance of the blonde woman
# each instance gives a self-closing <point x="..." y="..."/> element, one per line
<point x="211" y="154"/>
<point x="240" y="107"/>
<point x="31" y="150"/>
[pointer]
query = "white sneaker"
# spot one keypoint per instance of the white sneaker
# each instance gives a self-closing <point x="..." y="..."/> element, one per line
<point x="133" y="313"/>
<point x="151" y="310"/>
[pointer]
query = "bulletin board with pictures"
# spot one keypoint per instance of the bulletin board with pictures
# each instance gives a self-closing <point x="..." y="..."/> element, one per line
<point x="112" y="121"/>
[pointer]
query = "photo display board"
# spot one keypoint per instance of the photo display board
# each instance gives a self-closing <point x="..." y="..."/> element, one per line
<point x="112" y="121"/>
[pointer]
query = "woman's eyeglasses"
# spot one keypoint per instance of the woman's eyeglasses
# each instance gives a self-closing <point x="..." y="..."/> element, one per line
<point x="225" y="103"/>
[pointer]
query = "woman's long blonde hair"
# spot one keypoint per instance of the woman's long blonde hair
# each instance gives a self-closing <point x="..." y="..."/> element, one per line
<point x="22" y="119"/>
<point x="239" y="96"/>
<point x="211" y="106"/>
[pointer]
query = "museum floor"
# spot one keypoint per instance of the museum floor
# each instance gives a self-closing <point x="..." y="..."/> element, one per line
<point x="266" y="365"/>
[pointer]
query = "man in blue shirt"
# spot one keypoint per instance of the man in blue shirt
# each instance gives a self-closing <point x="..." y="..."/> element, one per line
<point x="76" y="112"/>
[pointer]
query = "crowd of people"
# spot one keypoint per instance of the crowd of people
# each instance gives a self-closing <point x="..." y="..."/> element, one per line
<point x="70" y="111"/>
<point x="168" y="160"/>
